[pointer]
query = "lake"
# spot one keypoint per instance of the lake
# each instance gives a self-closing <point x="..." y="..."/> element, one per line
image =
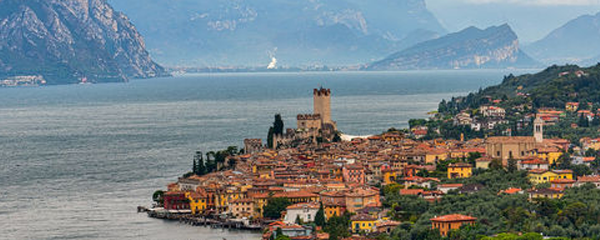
<point x="77" y="160"/>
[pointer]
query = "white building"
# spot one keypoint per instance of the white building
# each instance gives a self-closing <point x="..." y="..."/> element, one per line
<point x="305" y="211"/>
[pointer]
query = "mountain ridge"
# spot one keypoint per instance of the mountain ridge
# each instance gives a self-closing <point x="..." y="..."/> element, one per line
<point x="575" y="42"/>
<point x="493" y="47"/>
<point x="66" y="41"/>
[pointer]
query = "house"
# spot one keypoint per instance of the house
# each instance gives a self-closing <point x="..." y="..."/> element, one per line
<point x="419" y="181"/>
<point x="581" y="160"/>
<point x="445" y="188"/>
<point x="492" y="111"/>
<point x="538" y="176"/>
<point x="483" y="162"/>
<point x="294" y="231"/>
<point x="450" y="222"/>
<point x="386" y="226"/>
<point x="534" y="163"/>
<point x="306" y="212"/>
<point x="571" y="106"/>
<point x="459" y="170"/>
<point x="363" y="223"/>
<point x="198" y="201"/>
<point x="463" y="118"/>
<point x="549" y="193"/>
<point x="470" y="188"/>
<point x="511" y="191"/>
<point x="354" y="173"/>
<point x="390" y="175"/>
<point x="361" y="197"/>
<point x="176" y="200"/>
<point x="587" y="143"/>
<point x="334" y="203"/>
<point x="242" y="208"/>
<point x="561" y="184"/>
<point x="592" y="179"/>
<point x="430" y="196"/>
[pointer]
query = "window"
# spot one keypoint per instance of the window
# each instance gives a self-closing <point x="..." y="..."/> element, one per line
<point x="498" y="153"/>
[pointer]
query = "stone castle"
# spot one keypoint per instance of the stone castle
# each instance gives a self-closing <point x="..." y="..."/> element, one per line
<point x="311" y="128"/>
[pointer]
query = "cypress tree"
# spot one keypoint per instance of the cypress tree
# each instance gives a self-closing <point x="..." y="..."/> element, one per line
<point x="320" y="217"/>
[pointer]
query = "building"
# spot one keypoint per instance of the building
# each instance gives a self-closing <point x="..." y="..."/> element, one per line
<point x="504" y="148"/>
<point x="242" y="208"/>
<point x="450" y="222"/>
<point x="253" y="145"/>
<point x="445" y="188"/>
<point x="198" y="201"/>
<point x="387" y="226"/>
<point x="549" y="193"/>
<point x="359" y="198"/>
<point x="538" y="176"/>
<point x="322" y="106"/>
<point x="516" y="148"/>
<point x="354" y="173"/>
<point x="459" y="170"/>
<point x="334" y="203"/>
<point x="175" y="200"/>
<point x="534" y="163"/>
<point x="306" y="212"/>
<point x="592" y="179"/>
<point x="363" y="223"/>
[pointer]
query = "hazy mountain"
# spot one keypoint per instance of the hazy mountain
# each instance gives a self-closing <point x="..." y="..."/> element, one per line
<point x="575" y="42"/>
<point x="494" y="47"/>
<point x="65" y="40"/>
<point x="296" y="32"/>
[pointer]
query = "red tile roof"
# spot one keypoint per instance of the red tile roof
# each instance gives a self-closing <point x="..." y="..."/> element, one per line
<point x="453" y="218"/>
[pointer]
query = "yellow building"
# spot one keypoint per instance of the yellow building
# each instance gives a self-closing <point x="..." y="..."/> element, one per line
<point x="390" y="176"/>
<point x="197" y="202"/>
<point x="459" y="170"/>
<point x="537" y="176"/>
<point x="550" y="154"/>
<point x="363" y="223"/>
<point x="435" y="156"/>
<point x="549" y="193"/>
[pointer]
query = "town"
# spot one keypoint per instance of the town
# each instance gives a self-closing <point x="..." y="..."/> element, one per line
<point x="307" y="183"/>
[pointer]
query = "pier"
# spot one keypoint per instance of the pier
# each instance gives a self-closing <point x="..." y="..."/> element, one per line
<point x="195" y="220"/>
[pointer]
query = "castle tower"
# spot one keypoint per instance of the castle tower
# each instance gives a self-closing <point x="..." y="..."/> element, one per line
<point x="538" y="129"/>
<point x="322" y="104"/>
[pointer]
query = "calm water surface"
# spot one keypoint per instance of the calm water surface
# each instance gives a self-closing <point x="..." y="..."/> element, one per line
<point x="75" y="161"/>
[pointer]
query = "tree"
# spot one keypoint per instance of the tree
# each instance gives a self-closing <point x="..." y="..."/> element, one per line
<point x="583" y="121"/>
<point x="320" y="217"/>
<point x="496" y="164"/>
<point x="298" y="220"/>
<point x="278" y="125"/>
<point x="512" y="165"/>
<point x="275" y="206"/>
<point x="337" y="227"/>
<point x="158" y="197"/>
<point x="200" y="168"/>
<point x="270" y="138"/>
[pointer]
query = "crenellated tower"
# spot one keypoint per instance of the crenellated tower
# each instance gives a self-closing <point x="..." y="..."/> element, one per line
<point x="322" y="104"/>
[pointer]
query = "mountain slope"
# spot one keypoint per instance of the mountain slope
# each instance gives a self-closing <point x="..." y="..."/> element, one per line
<point x="494" y="47"/>
<point x="304" y="32"/>
<point x="575" y="42"/>
<point x="65" y="40"/>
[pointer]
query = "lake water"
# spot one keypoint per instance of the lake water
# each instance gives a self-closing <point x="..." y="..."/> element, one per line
<point x="76" y="161"/>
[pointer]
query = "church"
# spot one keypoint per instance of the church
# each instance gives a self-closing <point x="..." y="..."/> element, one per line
<point x="522" y="147"/>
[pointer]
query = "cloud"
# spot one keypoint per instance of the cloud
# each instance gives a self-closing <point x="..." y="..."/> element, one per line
<point x="539" y="2"/>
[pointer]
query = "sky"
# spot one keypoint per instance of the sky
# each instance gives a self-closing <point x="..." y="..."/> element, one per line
<point x="530" y="19"/>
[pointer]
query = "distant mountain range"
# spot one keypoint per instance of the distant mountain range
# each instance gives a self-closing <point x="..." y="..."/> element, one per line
<point x="576" y="42"/>
<point x="68" y="40"/>
<point x="494" y="47"/>
<point x="295" y="32"/>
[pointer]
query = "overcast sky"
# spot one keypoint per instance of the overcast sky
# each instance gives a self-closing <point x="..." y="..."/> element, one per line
<point x="531" y="19"/>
